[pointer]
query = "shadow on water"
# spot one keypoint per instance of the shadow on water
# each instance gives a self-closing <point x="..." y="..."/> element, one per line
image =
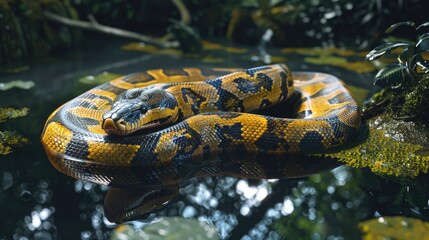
<point x="39" y="202"/>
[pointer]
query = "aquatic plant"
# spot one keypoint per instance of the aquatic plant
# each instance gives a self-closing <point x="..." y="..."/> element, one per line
<point x="9" y="139"/>
<point x="405" y="84"/>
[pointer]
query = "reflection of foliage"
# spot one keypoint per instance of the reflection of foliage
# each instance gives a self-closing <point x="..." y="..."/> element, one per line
<point x="394" y="228"/>
<point x="393" y="147"/>
<point x="334" y="57"/>
<point x="167" y="228"/>
<point x="393" y="196"/>
<point x="405" y="83"/>
<point x="313" y="200"/>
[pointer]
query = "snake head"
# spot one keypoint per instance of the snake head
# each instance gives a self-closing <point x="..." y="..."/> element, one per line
<point x="140" y="108"/>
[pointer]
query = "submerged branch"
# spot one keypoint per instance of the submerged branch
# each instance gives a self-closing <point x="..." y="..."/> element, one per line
<point x="95" y="26"/>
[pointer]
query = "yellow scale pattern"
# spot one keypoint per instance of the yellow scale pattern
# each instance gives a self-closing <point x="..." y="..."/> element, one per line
<point x="114" y="154"/>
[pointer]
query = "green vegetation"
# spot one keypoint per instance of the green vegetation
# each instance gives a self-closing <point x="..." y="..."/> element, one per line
<point x="26" y="33"/>
<point x="394" y="228"/>
<point x="9" y="139"/>
<point x="405" y="93"/>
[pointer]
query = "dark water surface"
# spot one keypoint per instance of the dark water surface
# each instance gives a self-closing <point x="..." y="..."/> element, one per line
<point x="38" y="202"/>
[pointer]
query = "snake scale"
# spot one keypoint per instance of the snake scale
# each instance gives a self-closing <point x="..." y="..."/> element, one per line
<point x="326" y="117"/>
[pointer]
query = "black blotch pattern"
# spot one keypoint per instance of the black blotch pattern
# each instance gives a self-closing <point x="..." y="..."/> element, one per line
<point x="265" y="103"/>
<point x="228" y="133"/>
<point x="85" y="104"/>
<point x="193" y="98"/>
<point x="225" y="96"/>
<point x="77" y="148"/>
<point x="93" y="96"/>
<point x="266" y="81"/>
<point x="247" y="86"/>
<point x="312" y="142"/>
<point x="304" y="114"/>
<point x="252" y="71"/>
<point x="284" y="86"/>
<point x="269" y="141"/>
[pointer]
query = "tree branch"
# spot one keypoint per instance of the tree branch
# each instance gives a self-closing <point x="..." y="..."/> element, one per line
<point x="95" y="26"/>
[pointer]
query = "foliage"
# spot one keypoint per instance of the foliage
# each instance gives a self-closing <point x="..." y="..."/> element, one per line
<point x="406" y="82"/>
<point x="394" y="228"/>
<point x="167" y="228"/>
<point x="7" y="113"/>
<point x="25" y="33"/>
<point x="9" y="139"/>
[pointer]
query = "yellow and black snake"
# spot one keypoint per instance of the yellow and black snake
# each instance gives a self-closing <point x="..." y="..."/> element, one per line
<point x="76" y="143"/>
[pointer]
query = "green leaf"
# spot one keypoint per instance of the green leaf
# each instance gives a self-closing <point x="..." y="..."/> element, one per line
<point x="384" y="48"/>
<point x="423" y="25"/>
<point x="391" y="74"/>
<point x="190" y="41"/>
<point x="404" y="56"/>
<point x="423" y="43"/>
<point x="393" y="27"/>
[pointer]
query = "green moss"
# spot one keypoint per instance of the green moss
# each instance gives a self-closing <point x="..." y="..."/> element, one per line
<point x="7" y="113"/>
<point x="394" y="228"/>
<point x="10" y="139"/>
<point x="393" y="147"/>
<point x="99" y="78"/>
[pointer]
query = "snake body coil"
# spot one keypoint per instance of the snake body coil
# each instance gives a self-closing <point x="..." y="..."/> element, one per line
<point x="327" y="117"/>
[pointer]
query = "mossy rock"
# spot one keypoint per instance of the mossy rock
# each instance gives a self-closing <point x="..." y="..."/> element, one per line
<point x="393" y="147"/>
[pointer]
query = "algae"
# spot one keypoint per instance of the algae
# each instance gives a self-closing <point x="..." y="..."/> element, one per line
<point x="10" y="139"/>
<point x="394" y="228"/>
<point x="393" y="147"/>
<point x="16" y="84"/>
<point x="7" y="113"/>
<point x="99" y="78"/>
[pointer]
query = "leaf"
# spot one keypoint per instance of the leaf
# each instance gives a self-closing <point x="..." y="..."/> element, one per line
<point x="404" y="56"/>
<point x="403" y="30"/>
<point x="408" y="24"/>
<point x="423" y="25"/>
<point x="423" y="43"/>
<point x="391" y="74"/>
<point x="190" y="41"/>
<point x="380" y="50"/>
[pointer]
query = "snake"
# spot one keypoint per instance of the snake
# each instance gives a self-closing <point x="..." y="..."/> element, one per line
<point x="197" y="116"/>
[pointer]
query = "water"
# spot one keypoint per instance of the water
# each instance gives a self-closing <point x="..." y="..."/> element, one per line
<point x="39" y="202"/>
